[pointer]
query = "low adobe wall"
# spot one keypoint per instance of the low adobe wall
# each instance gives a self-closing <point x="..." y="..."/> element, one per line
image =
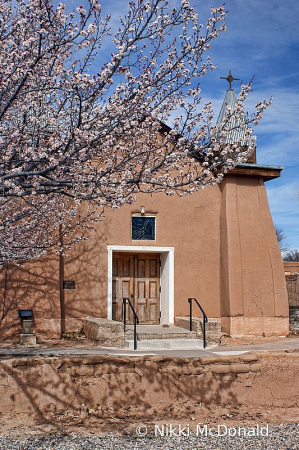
<point x="74" y="390"/>
<point x="291" y="267"/>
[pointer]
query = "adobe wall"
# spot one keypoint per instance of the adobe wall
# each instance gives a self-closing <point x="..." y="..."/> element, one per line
<point x="90" y="389"/>
<point x="86" y="264"/>
<point x="291" y="267"/>
<point x="253" y="288"/>
<point x="190" y="224"/>
<point x="35" y="286"/>
<point x="230" y="224"/>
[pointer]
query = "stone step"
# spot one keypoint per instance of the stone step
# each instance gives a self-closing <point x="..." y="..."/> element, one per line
<point x="213" y="328"/>
<point x="161" y="344"/>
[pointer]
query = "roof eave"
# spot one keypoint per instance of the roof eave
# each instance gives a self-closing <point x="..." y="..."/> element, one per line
<point x="264" y="171"/>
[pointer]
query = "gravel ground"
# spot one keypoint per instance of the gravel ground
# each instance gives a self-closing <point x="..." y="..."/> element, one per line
<point x="280" y="437"/>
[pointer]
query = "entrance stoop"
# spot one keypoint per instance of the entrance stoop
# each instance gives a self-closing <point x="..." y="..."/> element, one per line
<point x="110" y="333"/>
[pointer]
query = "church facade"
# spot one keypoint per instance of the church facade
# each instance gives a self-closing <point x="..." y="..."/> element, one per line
<point x="217" y="245"/>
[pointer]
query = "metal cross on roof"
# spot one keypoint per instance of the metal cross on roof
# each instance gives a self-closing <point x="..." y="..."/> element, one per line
<point x="230" y="79"/>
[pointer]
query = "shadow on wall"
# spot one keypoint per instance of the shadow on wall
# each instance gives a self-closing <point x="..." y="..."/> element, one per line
<point x="73" y="390"/>
<point x="80" y="390"/>
<point x="87" y="266"/>
<point x="32" y="286"/>
<point x="37" y="285"/>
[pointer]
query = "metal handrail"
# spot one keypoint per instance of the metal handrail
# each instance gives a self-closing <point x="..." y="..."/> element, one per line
<point x="136" y="320"/>
<point x="205" y="319"/>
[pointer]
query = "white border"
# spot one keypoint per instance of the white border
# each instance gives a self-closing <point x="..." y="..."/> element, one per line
<point x="167" y="277"/>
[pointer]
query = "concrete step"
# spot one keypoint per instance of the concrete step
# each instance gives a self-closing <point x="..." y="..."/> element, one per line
<point x="146" y="332"/>
<point x="161" y="344"/>
<point x="155" y="336"/>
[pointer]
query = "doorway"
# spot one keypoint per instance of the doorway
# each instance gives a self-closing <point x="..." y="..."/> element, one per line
<point x="137" y="277"/>
<point x="166" y="276"/>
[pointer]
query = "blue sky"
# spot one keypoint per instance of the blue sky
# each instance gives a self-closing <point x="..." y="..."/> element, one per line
<point x="262" y="40"/>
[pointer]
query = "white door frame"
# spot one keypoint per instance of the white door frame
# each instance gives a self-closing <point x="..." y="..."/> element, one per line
<point x="167" y="277"/>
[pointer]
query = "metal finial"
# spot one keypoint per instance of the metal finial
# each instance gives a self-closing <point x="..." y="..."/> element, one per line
<point x="230" y="79"/>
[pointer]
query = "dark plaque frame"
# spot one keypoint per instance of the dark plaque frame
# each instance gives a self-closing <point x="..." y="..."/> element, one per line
<point x="143" y="228"/>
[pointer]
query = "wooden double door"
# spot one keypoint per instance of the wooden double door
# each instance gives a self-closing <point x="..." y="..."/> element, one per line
<point x="137" y="277"/>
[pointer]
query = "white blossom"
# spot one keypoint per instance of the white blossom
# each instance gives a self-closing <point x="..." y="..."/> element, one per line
<point x="73" y="140"/>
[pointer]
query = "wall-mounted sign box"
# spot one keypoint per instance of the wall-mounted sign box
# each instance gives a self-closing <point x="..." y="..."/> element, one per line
<point x="68" y="285"/>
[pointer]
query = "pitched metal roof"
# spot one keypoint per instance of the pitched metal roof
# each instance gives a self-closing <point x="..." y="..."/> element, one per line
<point x="236" y="132"/>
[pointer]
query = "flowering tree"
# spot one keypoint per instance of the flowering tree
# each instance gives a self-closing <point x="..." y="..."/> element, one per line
<point x="72" y="131"/>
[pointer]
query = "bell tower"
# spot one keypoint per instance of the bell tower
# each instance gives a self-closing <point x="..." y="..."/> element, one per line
<point x="252" y="281"/>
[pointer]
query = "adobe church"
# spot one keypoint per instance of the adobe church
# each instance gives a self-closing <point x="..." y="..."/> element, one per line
<point x="217" y="245"/>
